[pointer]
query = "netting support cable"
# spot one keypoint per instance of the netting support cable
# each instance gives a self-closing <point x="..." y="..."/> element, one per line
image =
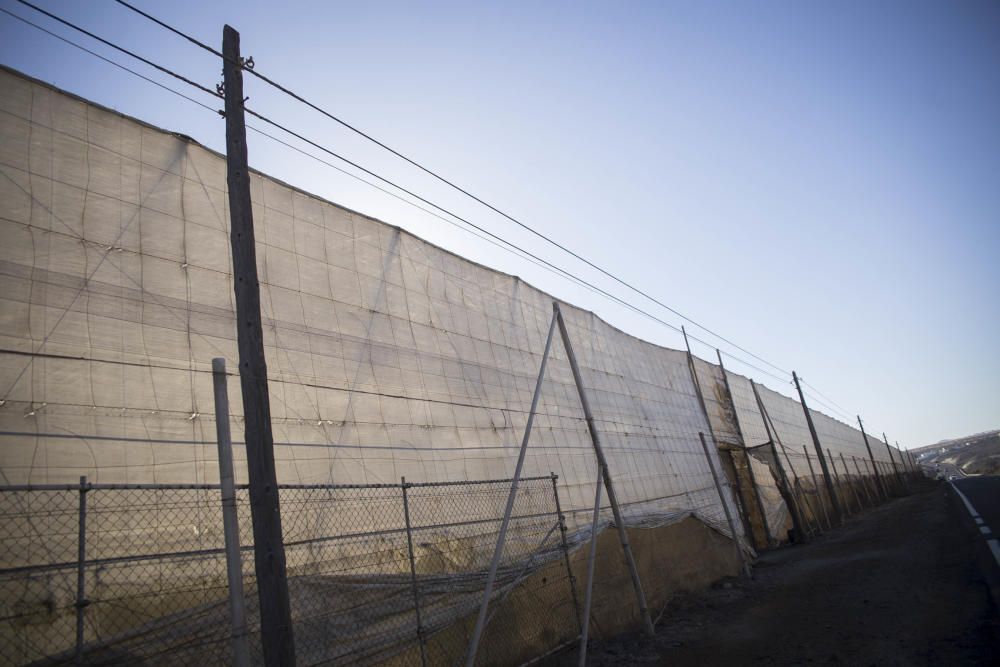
<point x="470" y="656"/>
<point x="230" y="520"/>
<point x="827" y="479"/>
<point x="603" y="463"/>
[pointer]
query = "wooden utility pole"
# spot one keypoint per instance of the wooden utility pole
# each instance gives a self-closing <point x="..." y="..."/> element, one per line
<point x="834" y="503"/>
<point x="269" y="550"/>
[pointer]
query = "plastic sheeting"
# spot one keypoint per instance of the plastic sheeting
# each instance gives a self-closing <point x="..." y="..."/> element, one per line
<point x="779" y="519"/>
<point x="387" y="356"/>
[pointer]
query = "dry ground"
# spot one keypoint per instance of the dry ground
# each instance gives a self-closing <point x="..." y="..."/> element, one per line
<point x="897" y="585"/>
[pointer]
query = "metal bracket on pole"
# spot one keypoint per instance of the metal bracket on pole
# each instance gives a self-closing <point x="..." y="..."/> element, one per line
<point x="603" y="463"/>
<point x="470" y="658"/>
<point x="230" y="521"/>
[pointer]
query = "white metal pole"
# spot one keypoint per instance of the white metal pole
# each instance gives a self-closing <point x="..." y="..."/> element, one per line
<point x="230" y="521"/>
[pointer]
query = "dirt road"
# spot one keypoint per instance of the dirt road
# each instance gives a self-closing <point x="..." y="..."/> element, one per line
<point x="895" y="586"/>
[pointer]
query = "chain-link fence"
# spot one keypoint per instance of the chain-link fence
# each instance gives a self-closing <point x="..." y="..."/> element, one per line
<point x="383" y="573"/>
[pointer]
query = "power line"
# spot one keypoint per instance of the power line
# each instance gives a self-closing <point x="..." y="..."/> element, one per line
<point x="107" y="60"/>
<point x="120" y="48"/>
<point x="489" y="236"/>
<point x="513" y="249"/>
<point x="562" y="271"/>
<point x="448" y="182"/>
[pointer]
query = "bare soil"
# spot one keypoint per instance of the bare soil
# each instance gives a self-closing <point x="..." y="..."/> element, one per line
<point x="897" y="585"/>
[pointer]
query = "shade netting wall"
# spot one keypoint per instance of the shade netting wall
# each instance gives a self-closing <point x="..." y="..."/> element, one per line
<point x="387" y="356"/>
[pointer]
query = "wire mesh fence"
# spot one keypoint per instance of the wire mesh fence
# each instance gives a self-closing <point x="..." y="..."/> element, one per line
<point x="377" y="574"/>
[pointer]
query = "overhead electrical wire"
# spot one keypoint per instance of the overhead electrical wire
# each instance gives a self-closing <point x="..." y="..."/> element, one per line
<point x="252" y="71"/>
<point x="493" y="238"/>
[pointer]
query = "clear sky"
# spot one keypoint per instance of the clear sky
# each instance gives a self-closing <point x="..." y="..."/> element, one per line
<point x="818" y="183"/>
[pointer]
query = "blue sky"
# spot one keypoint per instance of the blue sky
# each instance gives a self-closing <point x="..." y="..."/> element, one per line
<point x="818" y="183"/>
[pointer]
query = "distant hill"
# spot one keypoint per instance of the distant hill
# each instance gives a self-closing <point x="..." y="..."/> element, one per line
<point x="977" y="454"/>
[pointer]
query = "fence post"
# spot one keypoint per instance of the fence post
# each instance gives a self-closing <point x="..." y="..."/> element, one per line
<point x="595" y="439"/>
<point x="746" y="452"/>
<point x="565" y="548"/>
<point x="591" y="558"/>
<point x="793" y="502"/>
<point x="892" y="460"/>
<point x="819" y="497"/>
<point x="864" y="482"/>
<point x="878" y="477"/>
<point x="230" y="521"/>
<point x="725" y="508"/>
<point x="852" y="485"/>
<point x="81" y="564"/>
<point x="413" y="571"/>
<point x="834" y="502"/>
<point x="470" y="658"/>
<point x="837" y="484"/>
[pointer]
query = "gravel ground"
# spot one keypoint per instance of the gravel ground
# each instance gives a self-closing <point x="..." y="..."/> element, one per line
<point x="894" y="586"/>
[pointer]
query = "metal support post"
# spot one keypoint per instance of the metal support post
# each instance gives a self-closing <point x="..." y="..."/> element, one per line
<point x="793" y="504"/>
<point x="565" y="549"/>
<point x="740" y="556"/>
<point x="265" y="509"/>
<point x="878" y="477"/>
<point x="603" y="463"/>
<point x="834" y="502"/>
<point x="819" y="497"/>
<point x="591" y="560"/>
<point x="470" y="658"/>
<point x="864" y="482"/>
<point x="837" y="484"/>
<point x="413" y="572"/>
<point x="738" y="495"/>
<point x="902" y="457"/>
<point x="230" y="521"/>
<point x="850" y="484"/>
<point x="746" y="452"/>
<point x="892" y="460"/>
<point x="81" y="569"/>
